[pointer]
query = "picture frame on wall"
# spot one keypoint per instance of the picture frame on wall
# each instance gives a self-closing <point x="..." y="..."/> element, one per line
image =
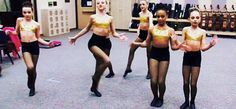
<point x="54" y="3"/>
<point x="50" y="4"/>
<point x="86" y="3"/>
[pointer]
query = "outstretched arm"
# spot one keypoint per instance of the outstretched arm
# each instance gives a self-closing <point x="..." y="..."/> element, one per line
<point x="82" y="32"/>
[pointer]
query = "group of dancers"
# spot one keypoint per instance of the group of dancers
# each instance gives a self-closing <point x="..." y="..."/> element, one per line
<point x="155" y="38"/>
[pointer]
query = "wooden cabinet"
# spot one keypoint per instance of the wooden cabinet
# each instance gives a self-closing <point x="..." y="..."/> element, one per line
<point x="121" y="12"/>
<point x="54" y="22"/>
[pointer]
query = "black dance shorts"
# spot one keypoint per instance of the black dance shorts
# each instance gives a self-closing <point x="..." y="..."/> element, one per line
<point x="160" y="54"/>
<point x="100" y="41"/>
<point x="31" y="47"/>
<point x="192" y="59"/>
<point x="143" y="34"/>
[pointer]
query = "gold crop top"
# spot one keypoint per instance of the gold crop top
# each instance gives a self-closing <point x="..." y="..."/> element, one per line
<point x="193" y="37"/>
<point x="143" y="19"/>
<point x="31" y="28"/>
<point x="104" y="24"/>
<point x="160" y="34"/>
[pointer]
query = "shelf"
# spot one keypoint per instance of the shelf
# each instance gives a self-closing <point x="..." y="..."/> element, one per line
<point x="187" y="21"/>
<point x="169" y="19"/>
<point x="208" y="32"/>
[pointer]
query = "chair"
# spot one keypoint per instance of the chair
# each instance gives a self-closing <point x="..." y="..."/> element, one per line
<point x="6" y="46"/>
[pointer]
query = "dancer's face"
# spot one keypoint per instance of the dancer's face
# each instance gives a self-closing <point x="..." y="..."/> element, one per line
<point x="143" y="5"/>
<point x="101" y="4"/>
<point x="27" y="13"/>
<point x="195" y="18"/>
<point x="161" y="17"/>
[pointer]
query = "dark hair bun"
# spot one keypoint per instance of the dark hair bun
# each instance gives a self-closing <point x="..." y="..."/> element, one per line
<point x="27" y="4"/>
<point x="193" y="9"/>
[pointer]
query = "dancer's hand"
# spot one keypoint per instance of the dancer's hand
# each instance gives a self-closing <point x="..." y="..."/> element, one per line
<point x="51" y="44"/>
<point x="72" y="40"/>
<point x="7" y="32"/>
<point x="185" y="47"/>
<point x="123" y="37"/>
<point x="135" y="43"/>
<point x="214" y="40"/>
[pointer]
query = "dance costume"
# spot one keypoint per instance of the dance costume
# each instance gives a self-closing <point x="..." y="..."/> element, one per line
<point x="160" y="54"/>
<point x="192" y="58"/>
<point x="100" y="41"/>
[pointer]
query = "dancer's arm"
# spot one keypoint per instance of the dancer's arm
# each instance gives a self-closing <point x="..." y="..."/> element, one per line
<point x="83" y="31"/>
<point x="114" y="33"/>
<point x="146" y="42"/>
<point x="175" y="44"/>
<point x="17" y="28"/>
<point x="37" y="34"/>
<point x="204" y="46"/>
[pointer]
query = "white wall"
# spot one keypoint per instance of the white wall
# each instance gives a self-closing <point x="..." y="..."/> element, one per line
<point x="43" y="4"/>
<point x="229" y="3"/>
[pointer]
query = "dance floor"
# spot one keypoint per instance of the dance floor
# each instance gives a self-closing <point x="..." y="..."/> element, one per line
<point x="64" y="78"/>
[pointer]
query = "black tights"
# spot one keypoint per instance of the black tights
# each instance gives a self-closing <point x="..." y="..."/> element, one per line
<point x="31" y="63"/>
<point x="192" y="72"/>
<point x="158" y="71"/>
<point x="107" y="51"/>
<point x="132" y="50"/>
<point x="102" y="62"/>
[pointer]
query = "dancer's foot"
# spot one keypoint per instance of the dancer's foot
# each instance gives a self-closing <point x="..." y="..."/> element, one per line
<point x="154" y="102"/>
<point x="110" y="75"/>
<point x="148" y="76"/>
<point x="184" y="105"/>
<point x="32" y="92"/>
<point x="96" y="92"/>
<point x="126" y="72"/>
<point x="159" y="102"/>
<point x="192" y="106"/>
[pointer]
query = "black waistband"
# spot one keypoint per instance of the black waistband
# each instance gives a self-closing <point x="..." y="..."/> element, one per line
<point x="193" y="52"/>
<point x="161" y="49"/>
<point x="144" y="31"/>
<point x="30" y="42"/>
<point x="99" y="36"/>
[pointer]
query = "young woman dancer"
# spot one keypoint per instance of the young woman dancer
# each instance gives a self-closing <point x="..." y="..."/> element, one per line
<point x="194" y="42"/>
<point x="99" y="44"/>
<point x="29" y="31"/>
<point x="146" y="21"/>
<point x="160" y="35"/>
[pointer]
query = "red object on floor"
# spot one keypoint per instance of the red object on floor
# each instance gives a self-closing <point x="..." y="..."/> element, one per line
<point x="14" y="38"/>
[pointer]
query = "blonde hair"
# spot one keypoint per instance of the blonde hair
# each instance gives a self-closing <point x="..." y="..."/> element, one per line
<point x="105" y="1"/>
<point x="147" y="1"/>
